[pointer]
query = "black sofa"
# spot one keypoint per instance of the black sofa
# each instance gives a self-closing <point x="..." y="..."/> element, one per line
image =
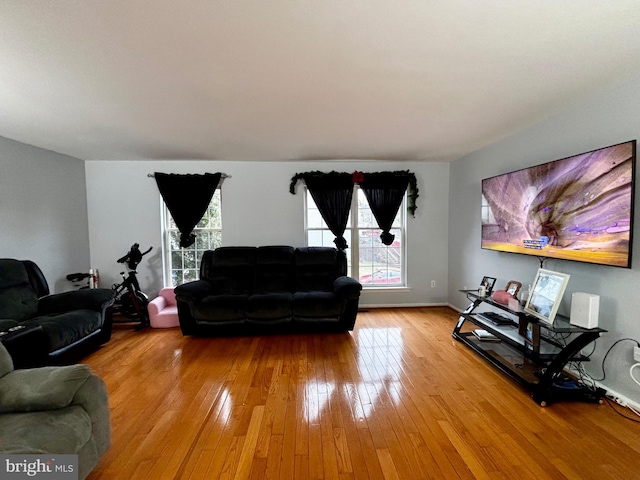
<point x="42" y="329"/>
<point x="270" y="289"/>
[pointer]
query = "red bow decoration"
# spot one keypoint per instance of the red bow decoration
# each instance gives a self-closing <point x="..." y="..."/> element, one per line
<point x="357" y="177"/>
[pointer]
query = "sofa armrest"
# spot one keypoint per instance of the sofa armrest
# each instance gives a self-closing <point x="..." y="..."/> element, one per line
<point x="156" y="305"/>
<point x="97" y="299"/>
<point x="94" y="399"/>
<point x="38" y="389"/>
<point x="347" y="287"/>
<point x="193" y="291"/>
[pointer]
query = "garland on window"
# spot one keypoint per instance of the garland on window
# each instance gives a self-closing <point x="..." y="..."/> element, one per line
<point x="361" y="178"/>
<point x="299" y="176"/>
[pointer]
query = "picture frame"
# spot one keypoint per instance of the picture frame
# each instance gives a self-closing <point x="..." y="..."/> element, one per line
<point x="488" y="283"/>
<point x="513" y="288"/>
<point x="530" y="330"/>
<point x="546" y="294"/>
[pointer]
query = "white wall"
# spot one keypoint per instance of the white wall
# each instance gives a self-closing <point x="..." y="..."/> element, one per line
<point x="43" y="211"/>
<point x="609" y="117"/>
<point x="257" y="209"/>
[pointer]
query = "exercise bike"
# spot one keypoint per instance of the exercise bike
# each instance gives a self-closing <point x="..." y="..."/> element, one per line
<point x="130" y="301"/>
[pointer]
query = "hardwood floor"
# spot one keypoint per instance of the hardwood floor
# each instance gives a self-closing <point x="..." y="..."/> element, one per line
<point x="397" y="398"/>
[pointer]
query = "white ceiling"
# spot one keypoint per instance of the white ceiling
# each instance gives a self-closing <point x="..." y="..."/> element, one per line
<point x="300" y="79"/>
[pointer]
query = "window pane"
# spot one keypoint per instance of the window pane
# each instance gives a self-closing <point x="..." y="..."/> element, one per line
<point x="366" y="218"/>
<point x="190" y="275"/>
<point x="174" y="239"/>
<point x="176" y="259"/>
<point x="216" y="239"/>
<point x="189" y="258"/>
<point x="380" y="264"/>
<point x="211" y="218"/>
<point x="314" y="238"/>
<point x="314" y="219"/>
<point x="328" y="238"/>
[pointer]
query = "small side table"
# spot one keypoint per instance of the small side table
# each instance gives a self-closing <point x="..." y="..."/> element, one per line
<point x="27" y="345"/>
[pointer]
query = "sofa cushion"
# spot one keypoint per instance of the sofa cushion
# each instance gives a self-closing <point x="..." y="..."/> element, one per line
<point x="270" y="307"/>
<point x="231" y="270"/>
<point x="67" y="328"/>
<point x="221" y="308"/>
<point x="316" y="305"/>
<point x="316" y="269"/>
<point x="18" y="300"/>
<point x="69" y="429"/>
<point x="274" y="269"/>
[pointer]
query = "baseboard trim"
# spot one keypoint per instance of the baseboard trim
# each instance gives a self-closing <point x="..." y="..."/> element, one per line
<point x="609" y="391"/>
<point x="402" y="305"/>
<point x="624" y="398"/>
<point x="453" y="307"/>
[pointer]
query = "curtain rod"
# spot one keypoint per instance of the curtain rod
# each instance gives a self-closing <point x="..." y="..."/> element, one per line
<point x="222" y="175"/>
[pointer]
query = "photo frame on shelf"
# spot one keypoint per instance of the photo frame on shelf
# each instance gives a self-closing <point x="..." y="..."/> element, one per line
<point x="513" y="288"/>
<point x="530" y="330"/>
<point x="546" y="294"/>
<point x="488" y="283"/>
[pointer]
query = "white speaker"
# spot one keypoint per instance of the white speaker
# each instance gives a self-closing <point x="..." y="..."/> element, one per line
<point x="585" y="308"/>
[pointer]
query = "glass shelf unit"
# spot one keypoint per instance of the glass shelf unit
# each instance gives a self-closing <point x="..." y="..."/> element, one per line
<point x="536" y="364"/>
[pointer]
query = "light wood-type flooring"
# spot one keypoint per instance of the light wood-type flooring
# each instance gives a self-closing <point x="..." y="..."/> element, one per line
<point x="397" y="398"/>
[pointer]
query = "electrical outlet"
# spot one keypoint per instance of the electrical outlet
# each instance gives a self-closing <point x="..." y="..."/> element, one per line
<point x="433" y="284"/>
<point x="636" y="354"/>
<point x="620" y="401"/>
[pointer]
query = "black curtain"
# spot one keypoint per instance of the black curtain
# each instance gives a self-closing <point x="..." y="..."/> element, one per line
<point x="187" y="198"/>
<point x="332" y="193"/>
<point x="384" y="192"/>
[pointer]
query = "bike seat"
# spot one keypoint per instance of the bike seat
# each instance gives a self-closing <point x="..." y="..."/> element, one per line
<point x="74" y="277"/>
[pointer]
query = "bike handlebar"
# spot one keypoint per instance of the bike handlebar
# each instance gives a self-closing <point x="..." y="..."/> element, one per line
<point x="134" y="256"/>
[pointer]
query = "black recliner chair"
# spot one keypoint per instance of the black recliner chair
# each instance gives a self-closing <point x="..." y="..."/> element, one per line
<point x="42" y="329"/>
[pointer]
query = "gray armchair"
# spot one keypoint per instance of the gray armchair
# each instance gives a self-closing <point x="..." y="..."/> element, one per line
<point x="57" y="410"/>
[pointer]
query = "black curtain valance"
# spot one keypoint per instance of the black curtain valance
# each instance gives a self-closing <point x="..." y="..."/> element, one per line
<point x="384" y="192"/>
<point x="187" y="197"/>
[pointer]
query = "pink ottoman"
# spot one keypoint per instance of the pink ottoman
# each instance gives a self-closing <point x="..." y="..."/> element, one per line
<point x="163" y="312"/>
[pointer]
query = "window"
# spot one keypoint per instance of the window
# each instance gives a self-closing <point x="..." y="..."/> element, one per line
<point x="183" y="264"/>
<point x="369" y="260"/>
